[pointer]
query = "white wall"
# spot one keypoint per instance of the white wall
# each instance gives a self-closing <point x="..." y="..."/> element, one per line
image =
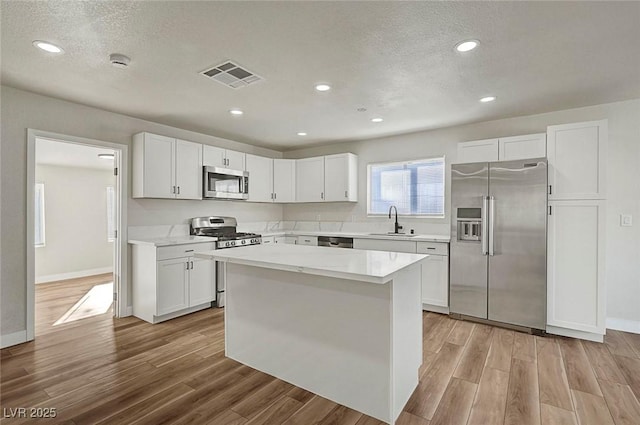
<point x="623" y="176"/>
<point x="21" y="110"/>
<point x="75" y="221"/>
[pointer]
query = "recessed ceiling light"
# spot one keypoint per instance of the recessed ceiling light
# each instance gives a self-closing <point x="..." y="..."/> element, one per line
<point x="47" y="47"/>
<point x="105" y="155"/>
<point x="323" y="87"/>
<point x="236" y="112"/>
<point x="467" y="45"/>
<point x="488" y="99"/>
<point x="302" y="133"/>
<point x="376" y="120"/>
<point x="119" y="61"/>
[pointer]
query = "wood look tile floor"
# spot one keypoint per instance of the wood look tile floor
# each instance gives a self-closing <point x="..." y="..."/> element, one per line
<point x="101" y="370"/>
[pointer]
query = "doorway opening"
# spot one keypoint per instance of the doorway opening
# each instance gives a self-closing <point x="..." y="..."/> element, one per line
<point x="76" y="251"/>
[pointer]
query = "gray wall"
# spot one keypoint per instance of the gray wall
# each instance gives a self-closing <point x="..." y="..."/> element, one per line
<point x="21" y="110"/>
<point x="623" y="183"/>
<point x="75" y="202"/>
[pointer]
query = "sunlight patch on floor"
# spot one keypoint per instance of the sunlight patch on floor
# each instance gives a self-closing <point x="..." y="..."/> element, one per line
<point x="95" y="302"/>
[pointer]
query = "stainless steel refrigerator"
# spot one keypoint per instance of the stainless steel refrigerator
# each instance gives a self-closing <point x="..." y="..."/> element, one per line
<point x="499" y="242"/>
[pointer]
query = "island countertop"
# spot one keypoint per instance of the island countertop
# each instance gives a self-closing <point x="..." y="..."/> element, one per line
<point x="354" y="264"/>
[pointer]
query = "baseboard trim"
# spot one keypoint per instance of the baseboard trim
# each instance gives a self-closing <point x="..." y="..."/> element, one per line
<point x="572" y="333"/>
<point x="623" y="325"/>
<point x="13" y="339"/>
<point x="435" y="308"/>
<point x="73" y="275"/>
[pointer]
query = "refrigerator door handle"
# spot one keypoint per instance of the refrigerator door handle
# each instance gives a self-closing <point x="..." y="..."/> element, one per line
<point x="484" y="234"/>
<point x="492" y="216"/>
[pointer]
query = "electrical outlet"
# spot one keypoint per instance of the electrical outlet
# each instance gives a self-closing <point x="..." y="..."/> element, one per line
<point x="626" y="220"/>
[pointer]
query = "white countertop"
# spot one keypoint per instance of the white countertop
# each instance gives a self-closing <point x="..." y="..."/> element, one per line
<point x="173" y="240"/>
<point x="417" y="238"/>
<point x="187" y="239"/>
<point x="353" y="264"/>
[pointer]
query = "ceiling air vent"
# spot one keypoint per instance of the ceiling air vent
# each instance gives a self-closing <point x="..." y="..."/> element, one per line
<point x="231" y="75"/>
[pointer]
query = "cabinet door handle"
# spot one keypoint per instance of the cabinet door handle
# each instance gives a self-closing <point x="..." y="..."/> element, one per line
<point x="550" y="190"/>
<point x="178" y="190"/>
<point x="345" y="194"/>
<point x="173" y="190"/>
<point x="187" y="265"/>
<point x="321" y="195"/>
<point x="191" y="265"/>
<point x="275" y="196"/>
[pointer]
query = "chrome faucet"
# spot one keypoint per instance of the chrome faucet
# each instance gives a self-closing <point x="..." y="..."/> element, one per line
<point x="396" y="226"/>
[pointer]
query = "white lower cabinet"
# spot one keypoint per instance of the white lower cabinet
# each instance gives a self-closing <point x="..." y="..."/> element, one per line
<point x="575" y="269"/>
<point x="435" y="269"/>
<point x="201" y="281"/>
<point x="169" y="282"/>
<point x="435" y="276"/>
<point x="268" y="240"/>
<point x="307" y="240"/>
<point x="172" y="287"/>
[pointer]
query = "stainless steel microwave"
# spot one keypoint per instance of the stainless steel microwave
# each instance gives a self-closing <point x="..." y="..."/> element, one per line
<point x="223" y="183"/>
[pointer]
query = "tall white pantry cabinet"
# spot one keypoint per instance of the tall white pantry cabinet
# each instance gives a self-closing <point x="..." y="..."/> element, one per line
<point x="576" y="228"/>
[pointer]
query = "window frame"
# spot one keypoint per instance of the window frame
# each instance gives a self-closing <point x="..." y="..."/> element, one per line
<point x="410" y="162"/>
<point x="41" y="219"/>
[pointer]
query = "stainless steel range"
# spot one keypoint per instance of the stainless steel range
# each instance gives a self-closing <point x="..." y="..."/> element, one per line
<point x="223" y="231"/>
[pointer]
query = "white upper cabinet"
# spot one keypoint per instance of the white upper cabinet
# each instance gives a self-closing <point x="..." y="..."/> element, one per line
<point x="331" y="178"/>
<point x="577" y="157"/>
<point x="503" y="149"/>
<point x="522" y="147"/>
<point x="260" y="178"/>
<point x="164" y="167"/>
<point x="284" y="180"/>
<point x="310" y="179"/>
<point x="478" y="151"/>
<point x="188" y="170"/>
<point x="235" y="160"/>
<point x="214" y="156"/>
<point x="340" y="177"/>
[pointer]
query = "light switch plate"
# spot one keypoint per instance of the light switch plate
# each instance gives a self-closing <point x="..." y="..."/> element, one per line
<point x="626" y="220"/>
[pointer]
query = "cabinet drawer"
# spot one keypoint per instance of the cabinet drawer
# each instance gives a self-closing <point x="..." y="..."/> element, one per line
<point x="176" y="251"/>
<point x="434" y="248"/>
<point x="308" y="240"/>
<point x="268" y="240"/>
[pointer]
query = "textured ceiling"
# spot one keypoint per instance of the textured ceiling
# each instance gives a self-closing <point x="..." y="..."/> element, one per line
<point x="395" y="59"/>
<point x="51" y="152"/>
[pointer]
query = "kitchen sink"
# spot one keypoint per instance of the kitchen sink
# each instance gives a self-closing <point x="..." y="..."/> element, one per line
<point x="393" y="234"/>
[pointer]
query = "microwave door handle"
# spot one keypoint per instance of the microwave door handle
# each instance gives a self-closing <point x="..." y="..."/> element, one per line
<point x="243" y="185"/>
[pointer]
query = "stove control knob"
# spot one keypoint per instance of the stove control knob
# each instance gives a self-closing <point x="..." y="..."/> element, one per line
<point x="244" y="242"/>
<point x="233" y="243"/>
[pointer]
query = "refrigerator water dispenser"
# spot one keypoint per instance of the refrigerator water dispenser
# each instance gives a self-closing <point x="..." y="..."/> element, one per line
<point x="469" y="224"/>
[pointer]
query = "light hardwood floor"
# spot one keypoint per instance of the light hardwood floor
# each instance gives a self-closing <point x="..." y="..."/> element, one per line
<point x="101" y="370"/>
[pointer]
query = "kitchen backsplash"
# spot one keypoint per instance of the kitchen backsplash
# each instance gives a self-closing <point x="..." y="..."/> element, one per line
<point x="137" y="232"/>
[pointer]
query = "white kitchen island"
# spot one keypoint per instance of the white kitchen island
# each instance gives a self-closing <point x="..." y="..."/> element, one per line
<point x="345" y="324"/>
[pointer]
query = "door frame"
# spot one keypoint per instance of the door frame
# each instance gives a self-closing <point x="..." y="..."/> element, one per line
<point x="120" y="265"/>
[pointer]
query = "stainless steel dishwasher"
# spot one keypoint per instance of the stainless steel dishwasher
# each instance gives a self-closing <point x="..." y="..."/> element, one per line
<point x="335" y="242"/>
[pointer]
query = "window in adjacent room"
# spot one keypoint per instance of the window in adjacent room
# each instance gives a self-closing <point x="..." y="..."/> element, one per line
<point x="39" y="215"/>
<point x="414" y="187"/>
<point x="111" y="214"/>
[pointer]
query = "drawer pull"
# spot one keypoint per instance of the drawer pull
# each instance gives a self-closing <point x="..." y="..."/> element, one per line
<point x="188" y="250"/>
<point x="430" y="247"/>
